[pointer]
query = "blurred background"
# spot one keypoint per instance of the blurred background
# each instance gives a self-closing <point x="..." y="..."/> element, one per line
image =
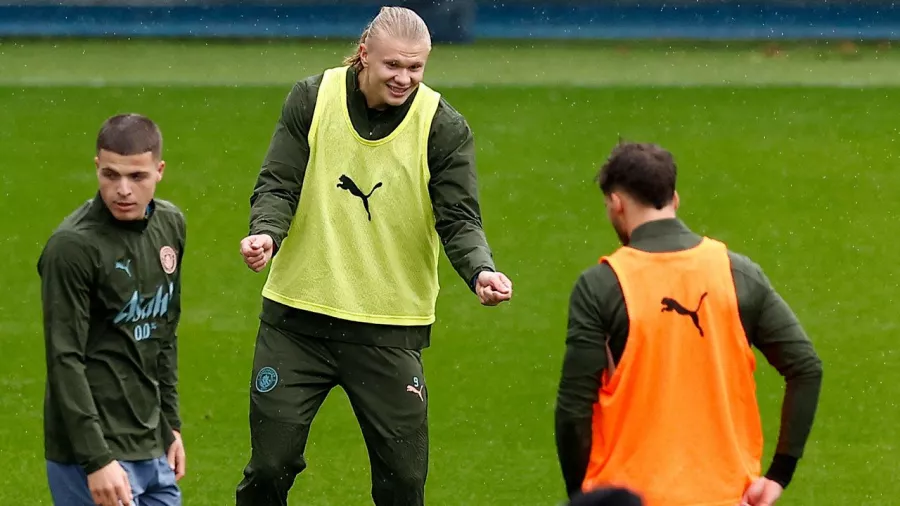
<point x="459" y="20"/>
<point x="782" y="116"/>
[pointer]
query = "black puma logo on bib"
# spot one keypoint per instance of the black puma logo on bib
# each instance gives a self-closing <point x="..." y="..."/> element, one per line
<point x="670" y="304"/>
<point x="348" y="184"/>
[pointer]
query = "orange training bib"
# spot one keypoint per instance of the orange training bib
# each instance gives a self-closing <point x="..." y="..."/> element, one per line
<point x="678" y="419"/>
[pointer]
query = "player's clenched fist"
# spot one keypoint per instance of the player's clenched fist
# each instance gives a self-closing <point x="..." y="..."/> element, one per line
<point x="257" y="251"/>
<point x="493" y="288"/>
<point x="109" y="486"/>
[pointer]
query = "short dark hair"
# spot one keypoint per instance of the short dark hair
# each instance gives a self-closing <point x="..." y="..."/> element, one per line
<point x="130" y="134"/>
<point x="644" y="171"/>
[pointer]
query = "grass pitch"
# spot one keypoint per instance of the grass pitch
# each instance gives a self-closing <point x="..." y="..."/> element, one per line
<point x="786" y="153"/>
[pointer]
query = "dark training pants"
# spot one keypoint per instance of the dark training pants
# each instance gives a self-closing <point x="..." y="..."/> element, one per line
<point x="292" y="375"/>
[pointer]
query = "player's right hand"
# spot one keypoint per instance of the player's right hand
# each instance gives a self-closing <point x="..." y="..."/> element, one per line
<point x="763" y="492"/>
<point x="257" y="251"/>
<point x="110" y="486"/>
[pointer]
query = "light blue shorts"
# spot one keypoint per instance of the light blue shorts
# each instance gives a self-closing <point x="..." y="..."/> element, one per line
<point x="152" y="483"/>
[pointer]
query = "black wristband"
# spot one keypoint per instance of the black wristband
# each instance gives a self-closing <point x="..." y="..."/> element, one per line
<point x="782" y="469"/>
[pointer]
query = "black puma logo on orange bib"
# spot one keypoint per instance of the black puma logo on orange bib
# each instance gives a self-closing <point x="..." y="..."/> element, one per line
<point x="670" y="304"/>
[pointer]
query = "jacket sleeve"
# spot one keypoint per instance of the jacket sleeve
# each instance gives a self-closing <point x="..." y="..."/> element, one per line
<point x="67" y="274"/>
<point x="276" y="193"/>
<point x="584" y="361"/>
<point x="775" y="330"/>
<point x="454" y="194"/>
<point x="167" y="360"/>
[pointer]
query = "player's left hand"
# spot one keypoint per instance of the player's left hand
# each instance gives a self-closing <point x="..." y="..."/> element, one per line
<point x="493" y="288"/>
<point x="176" y="456"/>
<point x="763" y="492"/>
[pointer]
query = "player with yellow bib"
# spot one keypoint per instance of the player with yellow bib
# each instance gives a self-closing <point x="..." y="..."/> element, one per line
<point x="387" y="172"/>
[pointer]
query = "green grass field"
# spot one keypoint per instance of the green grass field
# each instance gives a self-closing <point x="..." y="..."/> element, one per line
<point x="786" y="157"/>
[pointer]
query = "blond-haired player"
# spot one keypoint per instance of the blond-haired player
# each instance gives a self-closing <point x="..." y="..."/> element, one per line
<point x="368" y="173"/>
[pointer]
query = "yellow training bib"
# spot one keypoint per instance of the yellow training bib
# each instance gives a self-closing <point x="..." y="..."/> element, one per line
<point x="362" y="245"/>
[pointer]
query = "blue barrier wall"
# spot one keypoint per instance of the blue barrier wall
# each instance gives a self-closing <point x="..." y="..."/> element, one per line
<point x="457" y="20"/>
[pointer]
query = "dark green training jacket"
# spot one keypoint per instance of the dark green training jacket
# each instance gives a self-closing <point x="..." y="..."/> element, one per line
<point x="110" y="314"/>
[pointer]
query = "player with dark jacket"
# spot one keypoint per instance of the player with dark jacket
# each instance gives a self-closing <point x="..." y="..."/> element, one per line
<point x="111" y="293"/>
<point x="368" y="174"/>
